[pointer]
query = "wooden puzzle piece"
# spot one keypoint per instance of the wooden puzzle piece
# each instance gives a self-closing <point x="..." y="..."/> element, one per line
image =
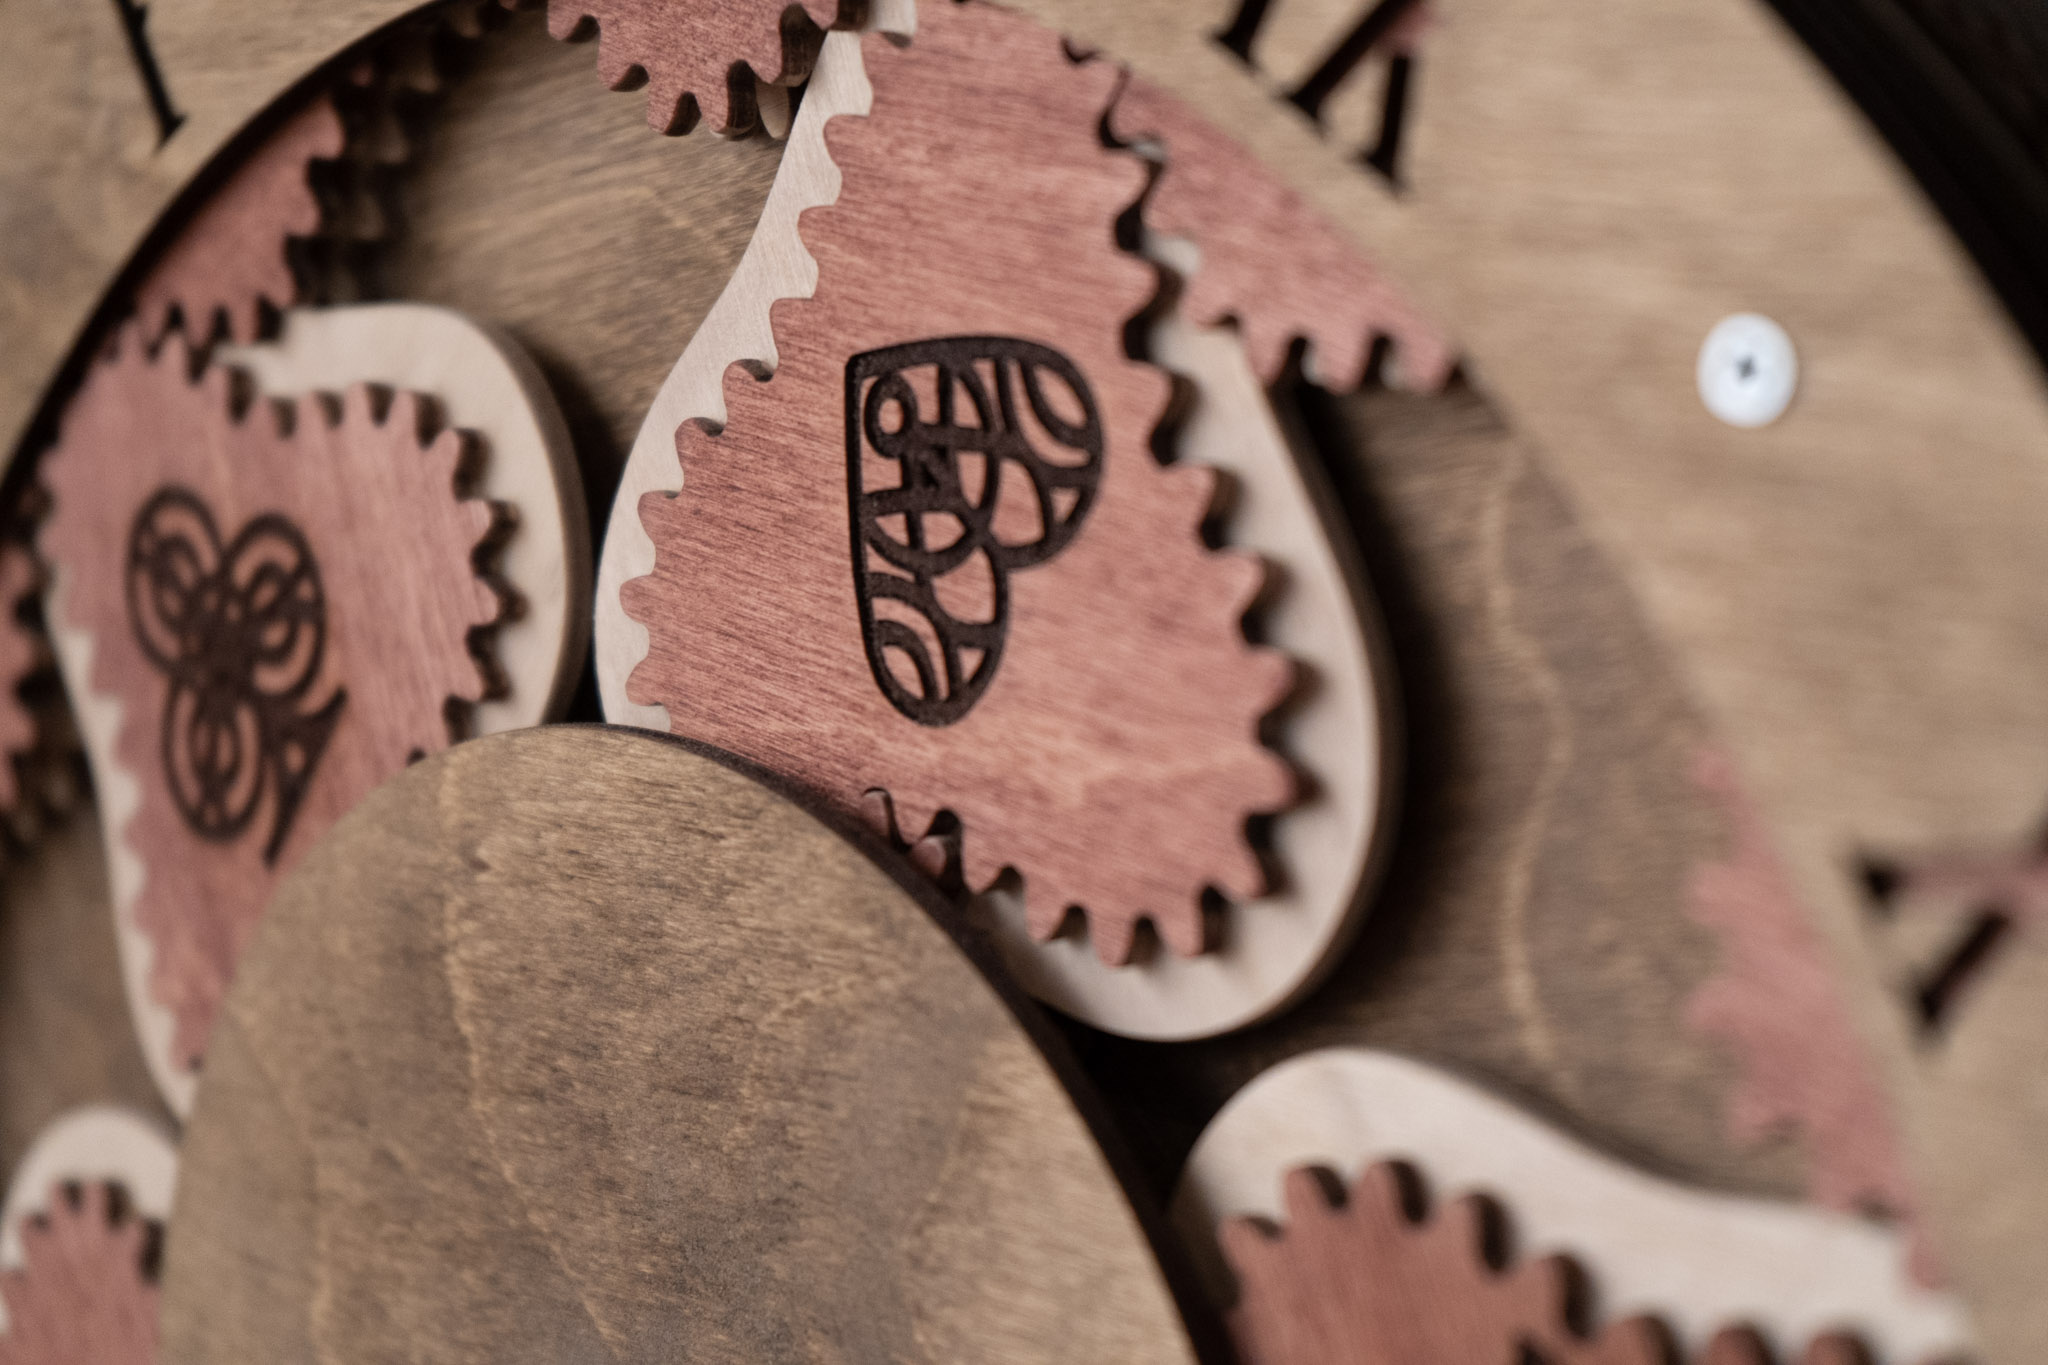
<point x="79" y="1238"/>
<point x="1061" y="664"/>
<point x="260" y="616"/>
<point x="1269" y="260"/>
<point x="1696" y="1262"/>
<point x="658" y="1067"/>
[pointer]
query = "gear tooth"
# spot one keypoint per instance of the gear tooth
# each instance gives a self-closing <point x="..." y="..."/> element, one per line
<point x="564" y="21"/>
<point x="1246" y="1246"/>
<point x="1377" y="1191"/>
<point x="878" y="813"/>
<point x="1113" y="935"/>
<point x="1304" y="1197"/>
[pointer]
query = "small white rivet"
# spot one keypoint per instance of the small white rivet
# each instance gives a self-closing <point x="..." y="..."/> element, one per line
<point x="1747" y="370"/>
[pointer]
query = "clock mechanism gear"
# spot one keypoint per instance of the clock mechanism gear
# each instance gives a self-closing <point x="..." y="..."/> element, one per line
<point x="1373" y="1279"/>
<point x="1044" y="648"/>
<point x="1269" y="261"/>
<point x="86" y="1291"/>
<point x="703" y="60"/>
<point x="287" y="604"/>
<point x="233" y="259"/>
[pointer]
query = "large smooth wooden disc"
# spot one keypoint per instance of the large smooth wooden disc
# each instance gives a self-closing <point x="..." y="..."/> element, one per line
<point x="577" y="1044"/>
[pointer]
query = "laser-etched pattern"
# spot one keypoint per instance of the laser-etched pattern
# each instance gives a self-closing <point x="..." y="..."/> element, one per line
<point x="986" y="396"/>
<point x="239" y="632"/>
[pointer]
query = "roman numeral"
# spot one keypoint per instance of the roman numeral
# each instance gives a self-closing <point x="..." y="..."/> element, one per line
<point x="134" y="21"/>
<point x="1344" y="58"/>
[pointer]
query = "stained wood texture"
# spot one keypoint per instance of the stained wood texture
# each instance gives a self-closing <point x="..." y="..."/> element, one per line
<point x="258" y="623"/>
<point x="1339" y="730"/>
<point x="697" y="58"/>
<point x="229" y="268"/>
<point x="1113" y="758"/>
<point x="1777" y="1002"/>
<point x="1534" y="926"/>
<point x="1697" y="1263"/>
<point x="1367" y="1281"/>
<point x="1267" y="951"/>
<point x="484" y="385"/>
<point x="82" y="1293"/>
<point x="1586" y="196"/>
<point x="668" y="1069"/>
<point x="1270" y="261"/>
<point x="65" y="1035"/>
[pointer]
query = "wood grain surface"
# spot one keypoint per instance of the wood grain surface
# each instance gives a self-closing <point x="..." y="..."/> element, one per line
<point x="1340" y="729"/>
<point x="83" y="1291"/>
<point x="1112" y="759"/>
<point x="1534" y="927"/>
<point x="130" y="1149"/>
<point x="258" y="623"/>
<point x="579" y="1044"/>
<point x="23" y="653"/>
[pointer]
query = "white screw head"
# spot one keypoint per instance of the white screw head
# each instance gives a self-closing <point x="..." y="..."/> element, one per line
<point x="1747" y="370"/>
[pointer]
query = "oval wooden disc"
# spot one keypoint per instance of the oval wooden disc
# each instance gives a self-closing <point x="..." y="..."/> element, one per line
<point x="577" y="1043"/>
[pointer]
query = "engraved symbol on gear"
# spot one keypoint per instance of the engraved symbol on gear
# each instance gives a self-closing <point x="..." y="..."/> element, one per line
<point x="982" y="389"/>
<point x="257" y="643"/>
<point x="239" y="632"/>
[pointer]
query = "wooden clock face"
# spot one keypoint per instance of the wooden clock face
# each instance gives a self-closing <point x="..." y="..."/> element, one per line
<point x="1716" y="743"/>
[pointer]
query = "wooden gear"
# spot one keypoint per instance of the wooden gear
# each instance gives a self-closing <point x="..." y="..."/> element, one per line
<point x="271" y="657"/>
<point x="1113" y="757"/>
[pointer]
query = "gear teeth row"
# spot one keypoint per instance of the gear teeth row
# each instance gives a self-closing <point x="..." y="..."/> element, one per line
<point x="1371" y="1276"/>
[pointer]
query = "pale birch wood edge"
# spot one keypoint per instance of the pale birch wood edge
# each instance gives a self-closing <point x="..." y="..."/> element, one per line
<point x="118" y="795"/>
<point x="671" y="776"/>
<point x="735" y="332"/>
<point x="1698" y="1261"/>
<point x="481" y="381"/>
<point x="100" y="1142"/>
